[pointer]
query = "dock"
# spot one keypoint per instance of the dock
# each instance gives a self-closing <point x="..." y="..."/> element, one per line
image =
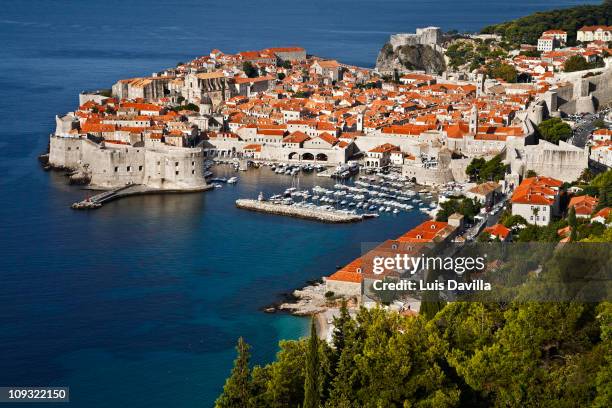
<point x="100" y="199"/>
<point x="298" y="212"/>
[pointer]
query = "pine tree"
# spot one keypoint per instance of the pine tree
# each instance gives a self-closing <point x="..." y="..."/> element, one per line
<point x="573" y="224"/>
<point x="236" y="391"/>
<point x="312" y="395"/>
<point x="340" y="327"/>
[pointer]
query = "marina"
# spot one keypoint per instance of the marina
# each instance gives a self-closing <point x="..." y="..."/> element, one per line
<point x="299" y="212"/>
<point x="365" y="196"/>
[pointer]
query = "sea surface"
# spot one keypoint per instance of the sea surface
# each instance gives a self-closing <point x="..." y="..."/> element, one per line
<point x="140" y="303"/>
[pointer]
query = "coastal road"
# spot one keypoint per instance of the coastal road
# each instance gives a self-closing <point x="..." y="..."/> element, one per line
<point x="489" y="218"/>
<point x="584" y="128"/>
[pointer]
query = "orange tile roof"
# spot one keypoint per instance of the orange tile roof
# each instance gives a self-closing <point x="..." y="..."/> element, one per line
<point x="385" y="148"/>
<point x="583" y="205"/>
<point x="498" y="230"/>
<point x="604" y="212"/>
<point x="536" y="190"/>
<point x="253" y="147"/>
<point x="349" y="273"/>
<point x="296" y="137"/>
<point x="429" y="231"/>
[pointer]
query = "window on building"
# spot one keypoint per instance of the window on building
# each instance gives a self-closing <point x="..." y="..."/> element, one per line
<point x="192" y="171"/>
<point x="129" y="168"/>
<point x="139" y="168"/>
<point x="176" y="172"/>
<point x="116" y="169"/>
<point x="176" y="164"/>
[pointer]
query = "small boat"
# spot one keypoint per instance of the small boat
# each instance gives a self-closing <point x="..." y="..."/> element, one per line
<point x="217" y="185"/>
<point x="218" y="180"/>
<point x="232" y="180"/>
<point x="396" y="211"/>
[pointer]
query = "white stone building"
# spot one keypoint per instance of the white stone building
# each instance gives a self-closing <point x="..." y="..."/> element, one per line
<point x="537" y="199"/>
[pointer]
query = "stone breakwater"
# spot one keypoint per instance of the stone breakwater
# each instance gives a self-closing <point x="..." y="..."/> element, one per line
<point x="298" y="212"/>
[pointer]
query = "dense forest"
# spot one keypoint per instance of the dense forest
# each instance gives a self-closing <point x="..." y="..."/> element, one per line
<point x="547" y="344"/>
<point x="527" y="30"/>
<point x="470" y="354"/>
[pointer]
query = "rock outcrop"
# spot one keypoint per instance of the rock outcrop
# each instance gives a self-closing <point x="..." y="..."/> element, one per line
<point x="417" y="57"/>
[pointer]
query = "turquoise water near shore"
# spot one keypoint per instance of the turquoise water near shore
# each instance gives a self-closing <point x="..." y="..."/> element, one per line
<point x="140" y="303"/>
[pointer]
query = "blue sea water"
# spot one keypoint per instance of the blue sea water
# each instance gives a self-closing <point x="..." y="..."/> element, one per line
<point x="140" y="303"/>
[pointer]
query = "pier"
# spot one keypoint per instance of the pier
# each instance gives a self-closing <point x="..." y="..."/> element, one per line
<point x="100" y="199"/>
<point x="298" y="212"/>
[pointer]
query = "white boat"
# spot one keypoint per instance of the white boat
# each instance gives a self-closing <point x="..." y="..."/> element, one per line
<point x="396" y="211"/>
<point x="217" y="185"/>
<point x="232" y="180"/>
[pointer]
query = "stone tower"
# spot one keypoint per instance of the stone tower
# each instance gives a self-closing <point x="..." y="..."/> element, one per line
<point x="206" y="106"/>
<point x="359" y="123"/>
<point x="474" y="120"/>
<point x="480" y="84"/>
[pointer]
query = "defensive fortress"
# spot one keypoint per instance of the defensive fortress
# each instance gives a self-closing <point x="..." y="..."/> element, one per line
<point x="111" y="163"/>
<point x="424" y="36"/>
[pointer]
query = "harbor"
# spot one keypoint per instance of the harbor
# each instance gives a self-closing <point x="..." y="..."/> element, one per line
<point x="350" y="199"/>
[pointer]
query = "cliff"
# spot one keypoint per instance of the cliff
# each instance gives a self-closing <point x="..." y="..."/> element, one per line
<point x="418" y="57"/>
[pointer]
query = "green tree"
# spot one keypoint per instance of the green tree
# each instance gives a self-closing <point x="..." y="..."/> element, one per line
<point x="599" y="124"/>
<point x="312" y="391"/>
<point x="531" y="173"/>
<point x="236" y="392"/>
<point x="573" y="224"/>
<point x="554" y="130"/>
<point x="482" y="170"/>
<point x="466" y="207"/>
<point x="586" y="176"/>
<point x="475" y="167"/>
<point x="575" y="63"/>
<point x="431" y="304"/>
<point x="503" y="71"/>
<point x="484" y="237"/>
<point x="527" y="30"/>
<point x="342" y="325"/>
<point x="249" y="69"/>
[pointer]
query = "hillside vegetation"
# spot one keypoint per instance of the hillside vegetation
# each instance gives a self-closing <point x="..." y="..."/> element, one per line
<point x="527" y="30"/>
